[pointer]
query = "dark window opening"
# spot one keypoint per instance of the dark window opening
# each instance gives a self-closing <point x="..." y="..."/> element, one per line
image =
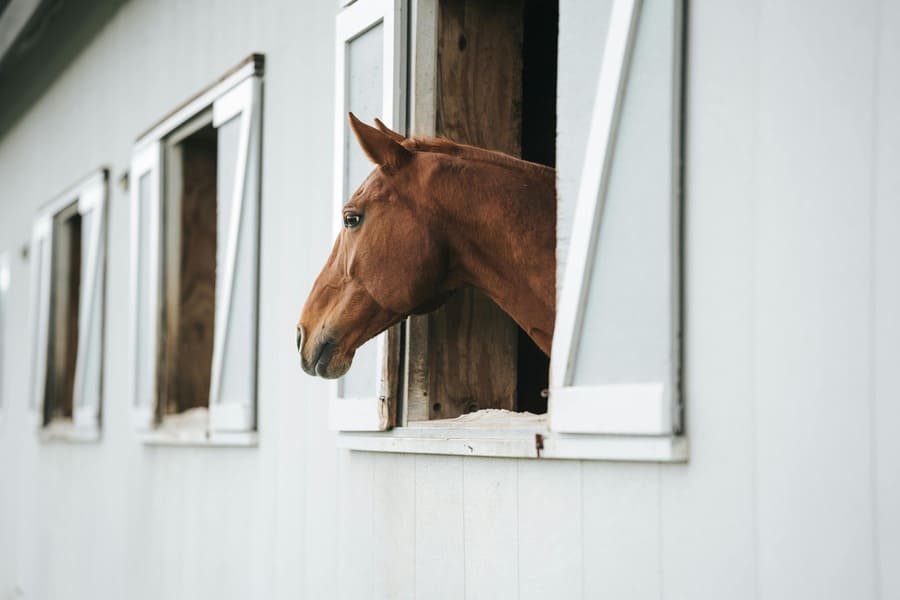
<point x="495" y="88"/>
<point x="65" y="291"/>
<point x="189" y="282"/>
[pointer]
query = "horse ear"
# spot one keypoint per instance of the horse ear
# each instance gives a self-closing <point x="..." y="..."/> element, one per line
<point x="388" y="131"/>
<point x="381" y="148"/>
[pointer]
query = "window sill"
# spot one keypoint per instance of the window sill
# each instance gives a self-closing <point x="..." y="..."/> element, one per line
<point x="191" y="428"/>
<point x="505" y="434"/>
<point x="67" y="432"/>
<point x="160" y="437"/>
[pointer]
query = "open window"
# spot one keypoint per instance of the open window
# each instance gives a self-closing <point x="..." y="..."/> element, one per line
<point x="194" y="185"/>
<point x="485" y="74"/>
<point x="67" y="259"/>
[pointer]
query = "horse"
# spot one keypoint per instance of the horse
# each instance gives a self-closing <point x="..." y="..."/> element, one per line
<point x="432" y="217"/>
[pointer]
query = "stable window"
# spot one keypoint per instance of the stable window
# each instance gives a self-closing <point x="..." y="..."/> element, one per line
<point x="67" y="258"/>
<point x="473" y="84"/>
<point x="485" y="74"/>
<point x="194" y="186"/>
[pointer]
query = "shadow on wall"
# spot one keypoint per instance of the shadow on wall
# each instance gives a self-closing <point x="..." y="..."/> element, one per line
<point x="56" y="35"/>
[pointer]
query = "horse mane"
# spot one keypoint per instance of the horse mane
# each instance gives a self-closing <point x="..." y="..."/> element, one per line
<point x="438" y="145"/>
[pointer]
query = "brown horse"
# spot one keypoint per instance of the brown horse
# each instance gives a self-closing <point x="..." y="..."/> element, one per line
<point x="433" y="217"/>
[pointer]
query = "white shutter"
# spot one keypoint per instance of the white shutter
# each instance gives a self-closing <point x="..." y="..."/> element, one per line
<point x="145" y="185"/>
<point x="39" y="259"/>
<point x="88" y="366"/>
<point x="370" y="75"/>
<point x="232" y="402"/>
<point x="616" y="349"/>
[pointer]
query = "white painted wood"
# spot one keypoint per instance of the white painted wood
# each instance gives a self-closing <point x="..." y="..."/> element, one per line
<point x="232" y="403"/>
<point x="440" y="528"/>
<point x="393" y="527"/>
<point x="551" y="524"/>
<point x="886" y="307"/>
<point x="813" y="357"/>
<point x="146" y="254"/>
<point x="639" y="47"/>
<point x="491" y="523"/>
<point x="643" y="409"/>
<point x="358" y="414"/>
<point x="716" y="492"/>
<point x="588" y="209"/>
<point x="39" y="258"/>
<point x="87" y="392"/>
<point x="198" y="103"/>
<point x="500" y="433"/>
<point x="352" y="22"/>
<point x="775" y="375"/>
<point x="356" y="541"/>
<point x="621" y="531"/>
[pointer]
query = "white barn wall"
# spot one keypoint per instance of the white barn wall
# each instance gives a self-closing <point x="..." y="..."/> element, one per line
<point x="792" y="330"/>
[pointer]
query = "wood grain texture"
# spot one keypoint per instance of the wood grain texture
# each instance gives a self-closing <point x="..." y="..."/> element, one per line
<point x="472" y="344"/>
<point x="190" y="306"/>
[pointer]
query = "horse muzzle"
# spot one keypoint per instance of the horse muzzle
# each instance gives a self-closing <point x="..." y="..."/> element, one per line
<point x="318" y="359"/>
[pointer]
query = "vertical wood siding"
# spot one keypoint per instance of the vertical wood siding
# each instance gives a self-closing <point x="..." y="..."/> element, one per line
<point x="792" y="331"/>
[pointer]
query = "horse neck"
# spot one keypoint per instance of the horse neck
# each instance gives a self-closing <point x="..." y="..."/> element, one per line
<point x="503" y="237"/>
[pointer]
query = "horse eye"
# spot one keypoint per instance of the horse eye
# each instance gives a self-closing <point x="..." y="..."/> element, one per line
<point x="351" y="221"/>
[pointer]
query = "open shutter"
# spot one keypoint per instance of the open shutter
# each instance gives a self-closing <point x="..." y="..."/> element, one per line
<point x="236" y="116"/>
<point x="88" y="367"/>
<point x="144" y="185"/>
<point x="616" y="349"/>
<point x="39" y="259"/>
<point x="371" y="78"/>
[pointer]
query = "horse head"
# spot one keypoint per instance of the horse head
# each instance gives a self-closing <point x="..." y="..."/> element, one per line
<point x="388" y="261"/>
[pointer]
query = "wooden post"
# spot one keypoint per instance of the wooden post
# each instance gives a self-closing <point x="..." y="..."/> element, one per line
<point x="470" y="346"/>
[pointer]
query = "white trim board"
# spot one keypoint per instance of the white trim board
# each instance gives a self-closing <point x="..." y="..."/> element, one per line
<point x="506" y="434"/>
<point x="368" y="413"/>
<point x="252" y="65"/>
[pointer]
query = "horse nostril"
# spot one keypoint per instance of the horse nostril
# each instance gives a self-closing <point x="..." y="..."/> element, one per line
<point x="299" y="339"/>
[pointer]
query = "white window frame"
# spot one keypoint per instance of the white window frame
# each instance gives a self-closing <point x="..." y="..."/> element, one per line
<point x="367" y="413"/>
<point x="90" y="195"/>
<point x="228" y="424"/>
<point x="628" y="422"/>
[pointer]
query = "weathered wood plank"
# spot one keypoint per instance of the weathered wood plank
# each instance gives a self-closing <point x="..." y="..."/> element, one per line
<point x="471" y="343"/>
<point x="191" y="276"/>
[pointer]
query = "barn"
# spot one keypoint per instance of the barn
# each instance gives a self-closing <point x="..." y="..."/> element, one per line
<point x="718" y="415"/>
